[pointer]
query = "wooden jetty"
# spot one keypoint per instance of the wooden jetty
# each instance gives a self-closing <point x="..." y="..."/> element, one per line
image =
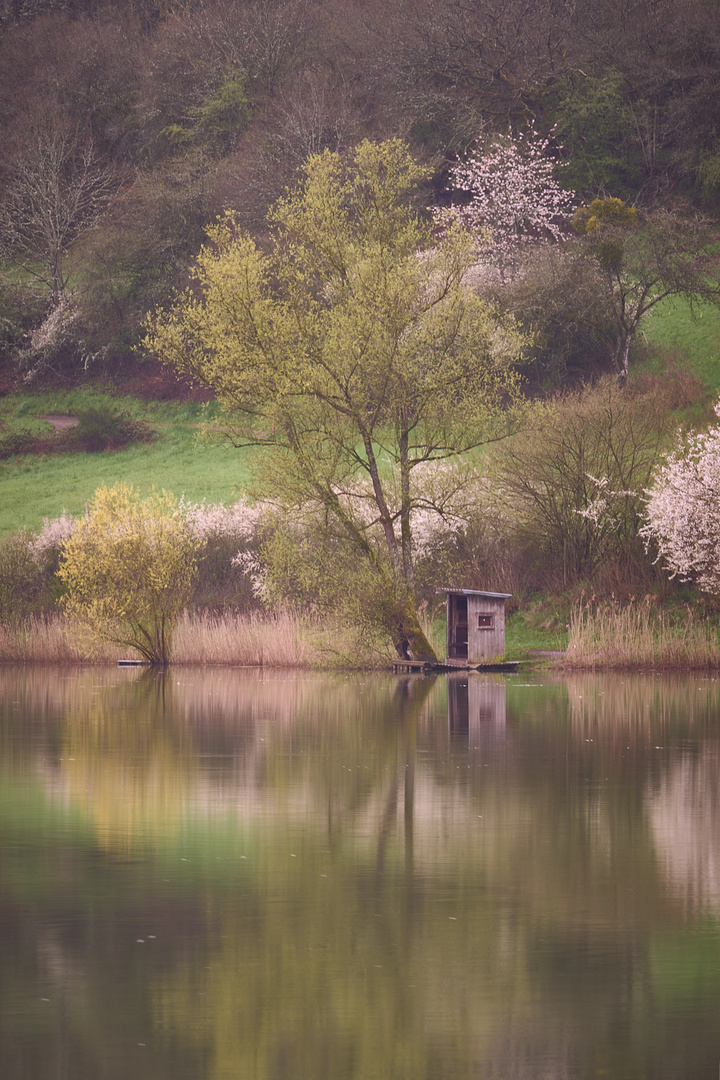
<point x="423" y="666"/>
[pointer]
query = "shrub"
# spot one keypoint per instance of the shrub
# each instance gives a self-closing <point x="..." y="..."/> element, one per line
<point x="229" y="538"/>
<point x="102" y="427"/>
<point x="552" y="294"/>
<point x="569" y="487"/>
<point x="683" y="510"/>
<point x="21" y="583"/>
<point x="128" y="567"/>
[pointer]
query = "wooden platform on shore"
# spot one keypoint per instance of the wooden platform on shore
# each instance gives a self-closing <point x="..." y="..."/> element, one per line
<point x="411" y="665"/>
<point x="503" y="665"/>
<point x="408" y="666"/>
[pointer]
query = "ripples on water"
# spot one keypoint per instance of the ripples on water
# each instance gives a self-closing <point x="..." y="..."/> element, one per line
<point x="218" y="874"/>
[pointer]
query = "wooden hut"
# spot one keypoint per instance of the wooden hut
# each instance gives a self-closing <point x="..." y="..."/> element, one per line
<point x="475" y="627"/>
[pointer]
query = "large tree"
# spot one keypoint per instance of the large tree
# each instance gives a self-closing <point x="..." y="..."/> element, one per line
<point x="349" y="347"/>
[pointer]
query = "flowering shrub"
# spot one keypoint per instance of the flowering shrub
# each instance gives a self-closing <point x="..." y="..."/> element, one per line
<point x="239" y="522"/>
<point x="307" y="559"/>
<point x="571" y="484"/>
<point x="682" y="516"/>
<point x="230" y="575"/>
<point x="46" y="545"/>
<point x="607" y="506"/>
<point x="443" y="497"/>
<point x="258" y="553"/>
<point x="57" y="340"/>
<point x="21" y="586"/>
<point x="55" y="332"/>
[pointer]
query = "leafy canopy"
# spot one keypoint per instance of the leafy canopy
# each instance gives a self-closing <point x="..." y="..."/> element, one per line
<point x="640" y="259"/>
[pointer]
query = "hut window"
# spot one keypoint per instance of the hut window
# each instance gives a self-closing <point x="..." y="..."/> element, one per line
<point x="486" y="621"/>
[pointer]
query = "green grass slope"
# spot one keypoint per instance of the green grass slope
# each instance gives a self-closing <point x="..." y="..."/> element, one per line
<point x="691" y="333"/>
<point x="32" y="488"/>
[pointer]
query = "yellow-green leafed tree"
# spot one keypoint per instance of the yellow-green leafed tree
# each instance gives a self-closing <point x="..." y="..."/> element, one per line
<point x="350" y="348"/>
<point x="128" y="567"/>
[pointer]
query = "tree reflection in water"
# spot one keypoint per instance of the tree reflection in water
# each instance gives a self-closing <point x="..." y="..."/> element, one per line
<point x="263" y="875"/>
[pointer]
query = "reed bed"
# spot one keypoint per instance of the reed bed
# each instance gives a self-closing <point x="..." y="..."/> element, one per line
<point x="255" y="640"/>
<point x="282" y="640"/>
<point x="52" y="639"/>
<point x="636" y="637"/>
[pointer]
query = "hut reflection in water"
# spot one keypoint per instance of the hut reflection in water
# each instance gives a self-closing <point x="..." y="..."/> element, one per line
<point x="476" y="708"/>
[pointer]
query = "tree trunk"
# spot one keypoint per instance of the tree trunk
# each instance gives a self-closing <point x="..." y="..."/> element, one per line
<point x="405" y="534"/>
<point x="408" y="636"/>
<point x="621" y="356"/>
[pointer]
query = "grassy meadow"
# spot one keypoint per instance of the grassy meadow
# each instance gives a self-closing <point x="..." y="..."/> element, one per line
<point x="178" y="459"/>
<point x="692" y="335"/>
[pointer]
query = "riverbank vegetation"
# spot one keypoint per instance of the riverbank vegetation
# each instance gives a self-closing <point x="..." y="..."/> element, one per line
<point x="284" y="639"/>
<point x="641" y="636"/>
<point x="534" y="520"/>
<point x="353" y="358"/>
<point x="276" y="227"/>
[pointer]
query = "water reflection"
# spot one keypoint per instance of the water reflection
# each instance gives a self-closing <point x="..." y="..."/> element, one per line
<point x="476" y="707"/>
<point x="222" y="874"/>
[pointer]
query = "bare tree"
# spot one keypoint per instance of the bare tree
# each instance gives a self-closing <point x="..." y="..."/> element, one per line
<point x="56" y="188"/>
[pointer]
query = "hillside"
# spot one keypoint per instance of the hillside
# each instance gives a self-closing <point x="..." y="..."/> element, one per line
<point x="128" y="126"/>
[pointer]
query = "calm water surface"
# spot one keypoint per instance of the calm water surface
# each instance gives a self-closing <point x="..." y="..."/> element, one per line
<point x="217" y="874"/>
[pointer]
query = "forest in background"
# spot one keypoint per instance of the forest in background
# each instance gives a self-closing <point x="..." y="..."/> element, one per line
<point x="129" y="126"/>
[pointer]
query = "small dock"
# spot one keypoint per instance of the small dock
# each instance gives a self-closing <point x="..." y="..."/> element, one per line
<point x="501" y="665"/>
<point x="409" y="666"/>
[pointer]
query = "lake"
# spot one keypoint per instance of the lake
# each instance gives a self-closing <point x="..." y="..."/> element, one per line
<point x="261" y="875"/>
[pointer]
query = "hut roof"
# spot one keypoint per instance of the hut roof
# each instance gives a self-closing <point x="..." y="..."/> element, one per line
<point x="477" y="592"/>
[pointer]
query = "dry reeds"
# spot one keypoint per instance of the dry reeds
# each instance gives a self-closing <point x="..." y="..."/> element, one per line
<point x="52" y="639"/>
<point x="636" y="637"/>
<point x="282" y="640"/>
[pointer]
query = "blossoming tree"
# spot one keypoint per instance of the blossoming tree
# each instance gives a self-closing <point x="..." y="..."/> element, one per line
<point x="683" y="510"/>
<point x="513" y="198"/>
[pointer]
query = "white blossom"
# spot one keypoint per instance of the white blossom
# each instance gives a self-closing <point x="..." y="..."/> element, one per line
<point x="444" y="495"/>
<point x="603" y="509"/>
<point x="250" y="564"/>
<point x="514" y="196"/>
<point x="52" y="535"/>
<point x="240" y="520"/>
<point x="683" y="509"/>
